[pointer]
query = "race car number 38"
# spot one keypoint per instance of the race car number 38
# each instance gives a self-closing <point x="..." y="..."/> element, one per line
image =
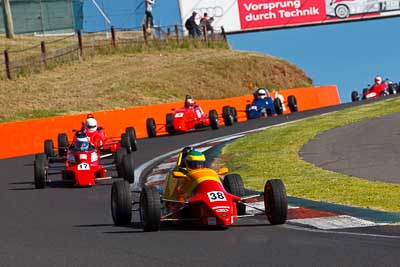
<point x="216" y="196"/>
<point x="83" y="167"/>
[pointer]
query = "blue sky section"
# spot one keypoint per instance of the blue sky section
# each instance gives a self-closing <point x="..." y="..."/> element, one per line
<point x="348" y="55"/>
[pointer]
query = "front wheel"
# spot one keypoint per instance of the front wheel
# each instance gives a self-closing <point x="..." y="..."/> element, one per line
<point x="292" y="102"/>
<point x="342" y="11"/>
<point x="151" y="128"/>
<point x="233" y="184"/>
<point x="49" y="148"/>
<point x="131" y="133"/>
<point x="119" y="155"/>
<point x="354" y="96"/>
<point x="128" y="168"/>
<point x="150" y="208"/>
<point x="275" y="201"/>
<point x="62" y="140"/>
<point x="278" y="106"/>
<point x="169" y="123"/>
<point x="126" y="143"/>
<point x="121" y="203"/>
<point x="213" y="115"/>
<point x="40" y="171"/>
<point x="227" y="115"/>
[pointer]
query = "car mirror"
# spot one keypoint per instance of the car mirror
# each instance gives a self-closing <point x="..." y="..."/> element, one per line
<point x="178" y="174"/>
<point x="223" y="171"/>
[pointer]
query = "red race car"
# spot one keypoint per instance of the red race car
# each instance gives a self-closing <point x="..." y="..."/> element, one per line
<point x="190" y="117"/>
<point x="380" y="88"/>
<point x="196" y="194"/>
<point x="97" y="138"/>
<point x="80" y="165"/>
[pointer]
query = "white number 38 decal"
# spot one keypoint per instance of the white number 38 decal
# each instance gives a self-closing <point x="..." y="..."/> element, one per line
<point x="216" y="196"/>
<point x="83" y="167"/>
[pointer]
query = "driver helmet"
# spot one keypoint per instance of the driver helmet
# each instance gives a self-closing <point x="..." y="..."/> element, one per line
<point x="91" y="124"/>
<point x="82" y="143"/>
<point x="378" y="80"/>
<point x="195" y="160"/>
<point x="261" y="93"/>
<point x="189" y="101"/>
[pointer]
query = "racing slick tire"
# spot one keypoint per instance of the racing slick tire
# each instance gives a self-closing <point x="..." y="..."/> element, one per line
<point x="49" y="148"/>
<point x="40" y="171"/>
<point x="128" y="168"/>
<point x="354" y="96"/>
<point x="342" y="11"/>
<point x="278" y="106"/>
<point x="62" y="142"/>
<point x="169" y="123"/>
<point x="121" y="203"/>
<point x="275" y="201"/>
<point x="233" y="184"/>
<point x="119" y="155"/>
<point x="131" y="133"/>
<point x="235" y="116"/>
<point x="384" y="93"/>
<point x="292" y="102"/>
<point x="150" y="209"/>
<point x="213" y="115"/>
<point x="125" y="142"/>
<point x="151" y="128"/>
<point x="227" y="115"/>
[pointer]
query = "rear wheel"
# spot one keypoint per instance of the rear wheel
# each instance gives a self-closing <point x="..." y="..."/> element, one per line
<point x="150" y="208"/>
<point x="128" y="168"/>
<point x="278" y="106"/>
<point x="151" y="127"/>
<point x="131" y="133"/>
<point x="354" y="96"/>
<point x="40" y="171"/>
<point x="49" y="148"/>
<point x="169" y="125"/>
<point x="227" y="115"/>
<point x="292" y="102"/>
<point x="121" y="152"/>
<point x="62" y="140"/>
<point x="233" y="184"/>
<point x="235" y="116"/>
<point x="213" y="115"/>
<point x="126" y="143"/>
<point x="275" y="201"/>
<point x="121" y="203"/>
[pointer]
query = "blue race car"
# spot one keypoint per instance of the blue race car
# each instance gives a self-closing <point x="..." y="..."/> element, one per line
<point x="265" y="105"/>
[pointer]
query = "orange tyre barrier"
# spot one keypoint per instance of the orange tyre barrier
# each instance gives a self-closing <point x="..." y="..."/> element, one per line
<point x="27" y="137"/>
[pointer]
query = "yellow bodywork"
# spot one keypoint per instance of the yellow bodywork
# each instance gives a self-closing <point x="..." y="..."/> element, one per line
<point x="181" y="188"/>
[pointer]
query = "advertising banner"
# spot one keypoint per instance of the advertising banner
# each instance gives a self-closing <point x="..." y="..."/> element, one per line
<point x="251" y="15"/>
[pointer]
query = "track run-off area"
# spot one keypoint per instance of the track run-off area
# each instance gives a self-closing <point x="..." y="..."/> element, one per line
<point x="62" y="226"/>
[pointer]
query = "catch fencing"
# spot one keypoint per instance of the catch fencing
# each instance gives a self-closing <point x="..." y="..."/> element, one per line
<point x="54" y="51"/>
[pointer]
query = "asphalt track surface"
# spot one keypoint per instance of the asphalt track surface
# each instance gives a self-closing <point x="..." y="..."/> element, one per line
<point x="61" y="226"/>
<point x="368" y="149"/>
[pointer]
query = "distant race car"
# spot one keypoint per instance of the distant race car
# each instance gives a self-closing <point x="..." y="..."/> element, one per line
<point x="189" y="118"/>
<point x="195" y="194"/>
<point x="375" y="91"/>
<point x="80" y="164"/>
<point x="265" y="104"/>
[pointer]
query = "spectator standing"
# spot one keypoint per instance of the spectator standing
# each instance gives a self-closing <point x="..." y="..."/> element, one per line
<point x="192" y="27"/>
<point x="148" y="13"/>
<point x="205" y="21"/>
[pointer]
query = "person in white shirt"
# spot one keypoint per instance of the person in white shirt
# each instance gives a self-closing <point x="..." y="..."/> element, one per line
<point x="148" y="13"/>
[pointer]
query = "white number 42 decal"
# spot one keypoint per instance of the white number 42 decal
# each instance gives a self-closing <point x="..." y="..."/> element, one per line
<point x="83" y="167"/>
<point x="216" y="196"/>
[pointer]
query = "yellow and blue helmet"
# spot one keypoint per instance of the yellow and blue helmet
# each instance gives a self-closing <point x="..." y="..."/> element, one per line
<point x="195" y="160"/>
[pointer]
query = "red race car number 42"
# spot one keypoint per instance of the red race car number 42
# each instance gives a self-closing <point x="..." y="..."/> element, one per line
<point x="216" y="196"/>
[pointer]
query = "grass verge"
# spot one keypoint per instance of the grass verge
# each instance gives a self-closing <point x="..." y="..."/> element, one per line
<point x="275" y="153"/>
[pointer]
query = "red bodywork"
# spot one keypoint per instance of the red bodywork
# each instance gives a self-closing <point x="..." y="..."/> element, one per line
<point x="83" y="167"/>
<point x="99" y="140"/>
<point x="189" y="118"/>
<point x="200" y="198"/>
<point x="375" y="90"/>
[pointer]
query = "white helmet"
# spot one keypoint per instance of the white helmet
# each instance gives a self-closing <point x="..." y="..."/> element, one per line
<point x="91" y="124"/>
<point x="261" y="93"/>
<point x="378" y="79"/>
